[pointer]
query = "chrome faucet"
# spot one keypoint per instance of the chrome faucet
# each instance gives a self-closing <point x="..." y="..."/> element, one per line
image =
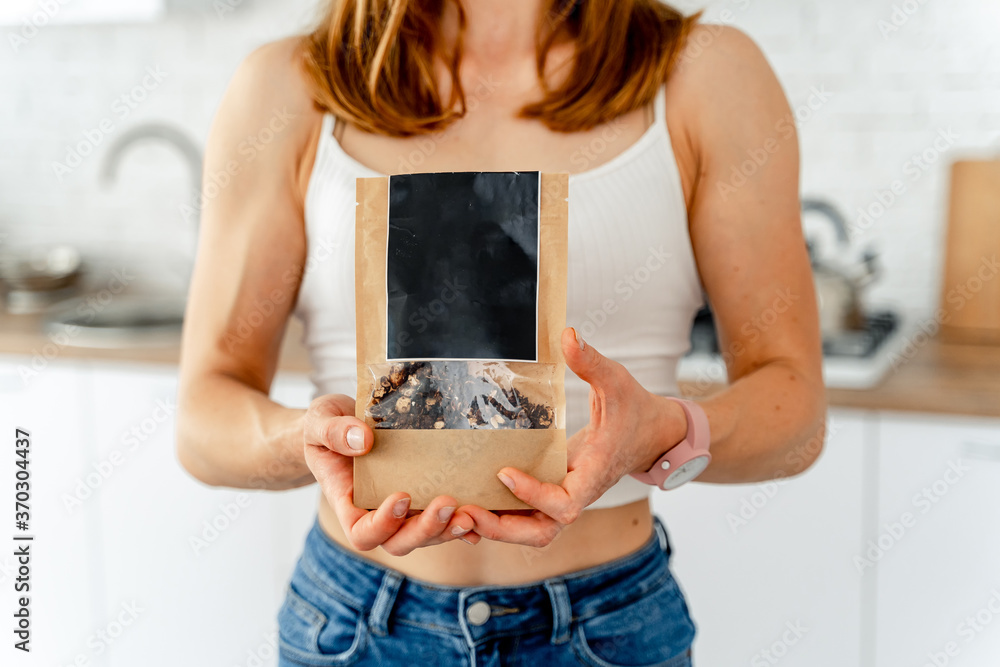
<point x="169" y="134"/>
<point x="188" y="149"/>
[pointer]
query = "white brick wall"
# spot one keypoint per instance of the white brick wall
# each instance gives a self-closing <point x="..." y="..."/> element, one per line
<point x="891" y="94"/>
<point x="66" y="79"/>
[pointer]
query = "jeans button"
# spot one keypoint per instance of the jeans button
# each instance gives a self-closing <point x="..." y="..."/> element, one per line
<point x="478" y="612"/>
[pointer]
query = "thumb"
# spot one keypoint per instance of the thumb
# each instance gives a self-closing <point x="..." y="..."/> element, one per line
<point x="583" y="359"/>
<point x="330" y="428"/>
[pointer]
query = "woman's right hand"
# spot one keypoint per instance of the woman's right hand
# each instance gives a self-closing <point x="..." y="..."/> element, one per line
<point x="333" y="436"/>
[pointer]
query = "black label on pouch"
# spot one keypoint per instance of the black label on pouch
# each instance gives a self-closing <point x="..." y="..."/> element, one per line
<point x="462" y="266"/>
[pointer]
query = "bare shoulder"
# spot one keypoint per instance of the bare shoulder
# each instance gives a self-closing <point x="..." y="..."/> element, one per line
<point x="274" y="70"/>
<point x="720" y="63"/>
<point x="268" y="104"/>
<point x="722" y="93"/>
<point x="719" y="40"/>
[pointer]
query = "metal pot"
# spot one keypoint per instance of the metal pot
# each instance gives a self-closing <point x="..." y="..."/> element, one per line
<point x="838" y="285"/>
<point x="39" y="276"/>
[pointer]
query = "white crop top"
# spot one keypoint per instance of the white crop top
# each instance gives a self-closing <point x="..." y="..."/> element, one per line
<point x="633" y="285"/>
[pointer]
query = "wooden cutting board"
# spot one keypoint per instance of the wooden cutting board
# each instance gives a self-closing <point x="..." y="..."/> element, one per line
<point x="970" y="293"/>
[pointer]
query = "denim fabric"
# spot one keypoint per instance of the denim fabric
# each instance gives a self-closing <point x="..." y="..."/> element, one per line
<point x="341" y="609"/>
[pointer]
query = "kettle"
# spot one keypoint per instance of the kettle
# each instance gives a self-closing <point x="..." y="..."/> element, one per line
<point x="837" y="284"/>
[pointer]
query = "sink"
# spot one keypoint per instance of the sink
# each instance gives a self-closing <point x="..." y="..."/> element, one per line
<point x="128" y="320"/>
<point x="132" y="318"/>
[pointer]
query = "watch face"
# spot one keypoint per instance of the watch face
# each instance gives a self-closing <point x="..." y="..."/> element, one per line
<point x="686" y="472"/>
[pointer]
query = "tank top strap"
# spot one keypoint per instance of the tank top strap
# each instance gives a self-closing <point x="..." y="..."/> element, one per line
<point x="660" y="105"/>
<point x="326" y="131"/>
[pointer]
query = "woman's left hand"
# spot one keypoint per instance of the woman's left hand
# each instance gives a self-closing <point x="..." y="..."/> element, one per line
<point x="629" y="430"/>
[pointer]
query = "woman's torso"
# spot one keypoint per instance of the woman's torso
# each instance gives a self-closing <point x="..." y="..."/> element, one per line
<point x="633" y="287"/>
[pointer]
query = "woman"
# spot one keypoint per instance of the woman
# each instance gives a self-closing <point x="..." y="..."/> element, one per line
<point x="657" y="218"/>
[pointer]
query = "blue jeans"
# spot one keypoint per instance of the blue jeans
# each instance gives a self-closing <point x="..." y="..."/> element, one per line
<point x="341" y="609"/>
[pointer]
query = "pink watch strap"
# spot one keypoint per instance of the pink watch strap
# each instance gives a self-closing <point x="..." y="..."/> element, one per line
<point x="695" y="442"/>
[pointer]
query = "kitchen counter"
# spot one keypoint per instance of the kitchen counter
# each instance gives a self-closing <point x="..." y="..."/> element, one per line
<point x="940" y="377"/>
<point x="22" y="335"/>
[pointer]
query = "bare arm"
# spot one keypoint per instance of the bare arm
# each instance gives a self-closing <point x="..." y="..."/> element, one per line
<point x="747" y="238"/>
<point x="251" y="248"/>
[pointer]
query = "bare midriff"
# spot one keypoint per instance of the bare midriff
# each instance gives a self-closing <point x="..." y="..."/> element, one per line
<point x="596" y="537"/>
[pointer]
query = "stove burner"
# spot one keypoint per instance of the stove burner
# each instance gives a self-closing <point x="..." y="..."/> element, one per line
<point x="857" y="343"/>
<point x="863" y="342"/>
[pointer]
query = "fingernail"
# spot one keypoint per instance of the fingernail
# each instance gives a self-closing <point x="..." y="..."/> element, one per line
<point x="579" y="340"/>
<point x="458" y="531"/>
<point x="356" y="438"/>
<point x="399" y="509"/>
<point x="467" y="541"/>
<point x="445" y="513"/>
<point x="507" y="481"/>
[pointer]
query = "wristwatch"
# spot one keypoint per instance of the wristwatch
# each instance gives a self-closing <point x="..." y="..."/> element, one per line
<point x="688" y="458"/>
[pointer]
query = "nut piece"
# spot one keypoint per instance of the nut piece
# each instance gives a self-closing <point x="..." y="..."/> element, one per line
<point x="397" y="374"/>
<point x="452" y="395"/>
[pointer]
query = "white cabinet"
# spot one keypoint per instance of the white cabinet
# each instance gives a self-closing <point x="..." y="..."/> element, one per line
<point x="936" y="550"/>
<point x="188" y="558"/>
<point x="45" y="399"/>
<point x="135" y="562"/>
<point x="206" y="567"/>
<point x="292" y="512"/>
<point x="767" y="568"/>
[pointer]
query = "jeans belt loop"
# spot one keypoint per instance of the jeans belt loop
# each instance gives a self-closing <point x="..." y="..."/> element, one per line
<point x="378" y="619"/>
<point x="562" y="611"/>
<point x="661" y="534"/>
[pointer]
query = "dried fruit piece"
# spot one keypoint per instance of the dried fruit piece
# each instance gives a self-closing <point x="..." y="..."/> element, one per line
<point x="452" y="395"/>
<point x="397" y="375"/>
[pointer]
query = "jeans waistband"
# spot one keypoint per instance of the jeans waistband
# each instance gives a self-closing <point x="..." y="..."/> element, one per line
<point x="480" y="613"/>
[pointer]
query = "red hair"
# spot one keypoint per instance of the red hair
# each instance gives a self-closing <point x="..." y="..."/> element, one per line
<point x="370" y="62"/>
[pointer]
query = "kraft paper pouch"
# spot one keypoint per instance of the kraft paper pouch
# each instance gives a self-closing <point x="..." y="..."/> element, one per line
<point x="460" y="283"/>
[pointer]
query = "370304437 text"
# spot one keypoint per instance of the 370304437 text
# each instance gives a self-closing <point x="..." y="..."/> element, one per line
<point x="22" y="539"/>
